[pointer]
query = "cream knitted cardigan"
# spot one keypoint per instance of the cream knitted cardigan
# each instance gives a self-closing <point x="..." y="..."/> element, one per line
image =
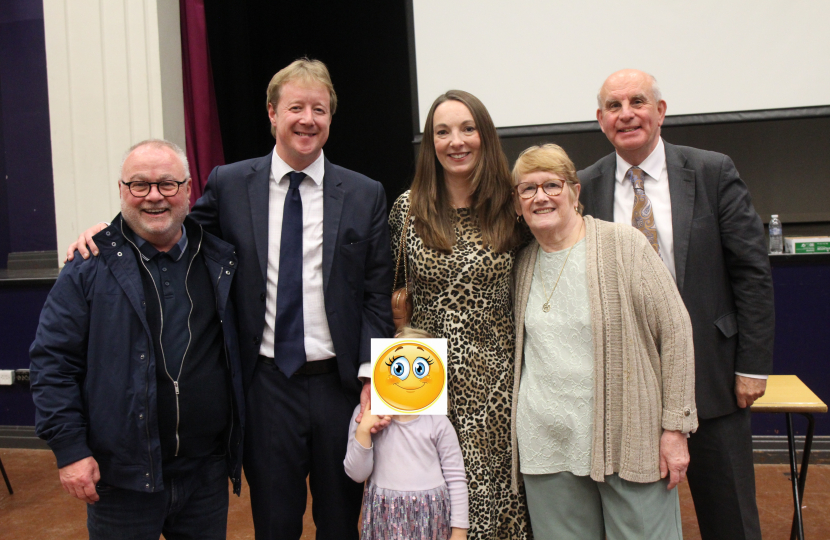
<point x="643" y="352"/>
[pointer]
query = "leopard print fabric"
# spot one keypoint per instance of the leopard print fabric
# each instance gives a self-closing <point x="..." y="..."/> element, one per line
<point x="465" y="297"/>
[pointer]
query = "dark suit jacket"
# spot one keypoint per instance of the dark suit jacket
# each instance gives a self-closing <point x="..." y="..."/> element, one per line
<point x="357" y="261"/>
<point x="723" y="271"/>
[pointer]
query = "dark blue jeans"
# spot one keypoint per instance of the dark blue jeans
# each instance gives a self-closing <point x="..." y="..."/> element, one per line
<point x="193" y="505"/>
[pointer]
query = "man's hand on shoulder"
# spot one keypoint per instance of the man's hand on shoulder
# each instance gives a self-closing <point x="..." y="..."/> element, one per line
<point x="79" y="479"/>
<point x="84" y="243"/>
<point x="748" y="389"/>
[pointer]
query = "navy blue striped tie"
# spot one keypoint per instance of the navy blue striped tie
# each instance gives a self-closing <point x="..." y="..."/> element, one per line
<point x="289" y="339"/>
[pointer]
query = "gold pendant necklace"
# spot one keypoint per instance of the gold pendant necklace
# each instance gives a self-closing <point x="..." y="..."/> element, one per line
<point x="546" y="305"/>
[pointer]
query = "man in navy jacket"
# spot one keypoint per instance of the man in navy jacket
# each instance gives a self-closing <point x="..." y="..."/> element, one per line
<point x="135" y="369"/>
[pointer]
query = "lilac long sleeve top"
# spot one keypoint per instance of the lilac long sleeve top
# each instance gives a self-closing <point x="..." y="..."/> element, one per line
<point x="417" y="455"/>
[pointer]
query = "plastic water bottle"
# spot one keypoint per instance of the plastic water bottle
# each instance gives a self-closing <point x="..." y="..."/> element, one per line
<point x="776" y="235"/>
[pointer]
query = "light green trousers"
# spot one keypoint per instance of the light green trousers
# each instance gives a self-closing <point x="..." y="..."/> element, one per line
<point x="567" y="507"/>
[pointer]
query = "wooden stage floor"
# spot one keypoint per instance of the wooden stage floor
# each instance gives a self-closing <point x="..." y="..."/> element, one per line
<point x="39" y="508"/>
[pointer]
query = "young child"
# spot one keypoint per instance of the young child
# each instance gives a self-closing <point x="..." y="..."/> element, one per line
<point x="417" y="488"/>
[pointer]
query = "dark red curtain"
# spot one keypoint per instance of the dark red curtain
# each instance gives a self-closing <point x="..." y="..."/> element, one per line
<point x="201" y="119"/>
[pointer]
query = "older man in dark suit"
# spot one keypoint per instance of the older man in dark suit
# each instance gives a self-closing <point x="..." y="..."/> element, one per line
<point x="697" y="213"/>
<point x="312" y="288"/>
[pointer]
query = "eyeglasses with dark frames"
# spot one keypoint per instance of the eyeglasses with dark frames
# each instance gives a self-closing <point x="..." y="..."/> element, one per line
<point x="551" y="188"/>
<point x="167" y="188"/>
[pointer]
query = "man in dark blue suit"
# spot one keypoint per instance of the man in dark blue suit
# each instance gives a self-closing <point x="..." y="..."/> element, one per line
<point x="312" y="288"/>
<point x="712" y="240"/>
<point x="302" y="355"/>
<point x="302" y="387"/>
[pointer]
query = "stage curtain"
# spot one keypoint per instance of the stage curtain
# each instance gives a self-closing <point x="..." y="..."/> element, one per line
<point x="204" y="140"/>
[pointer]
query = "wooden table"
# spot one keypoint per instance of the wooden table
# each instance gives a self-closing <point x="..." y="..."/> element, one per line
<point x="787" y="394"/>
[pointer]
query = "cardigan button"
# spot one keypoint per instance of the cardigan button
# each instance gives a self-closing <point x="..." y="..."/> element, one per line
<point x="687" y="412"/>
<point x="262" y="296"/>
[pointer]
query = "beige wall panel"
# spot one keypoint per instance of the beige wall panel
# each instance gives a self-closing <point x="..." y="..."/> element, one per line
<point x="118" y="122"/>
<point x="86" y="83"/>
<point x="112" y="82"/>
<point x="170" y="47"/>
<point x="138" y="82"/>
<point x="60" y="119"/>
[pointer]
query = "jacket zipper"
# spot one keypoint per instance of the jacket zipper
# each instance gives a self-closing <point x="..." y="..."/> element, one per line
<point x="146" y="391"/>
<point x="189" y="338"/>
<point x="161" y="329"/>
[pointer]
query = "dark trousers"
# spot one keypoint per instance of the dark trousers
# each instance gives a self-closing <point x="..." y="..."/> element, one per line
<point x="722" y="478"/>
<point x="297" y="428"/>
<point x="192" y="506"/>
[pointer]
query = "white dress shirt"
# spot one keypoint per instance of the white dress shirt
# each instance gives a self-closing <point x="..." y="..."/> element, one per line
<point x="656" y="186"/>
<point x="318" y="343"/>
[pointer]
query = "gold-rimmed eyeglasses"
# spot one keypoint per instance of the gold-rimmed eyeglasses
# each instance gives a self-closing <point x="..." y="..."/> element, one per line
<point x="551" y="188"/>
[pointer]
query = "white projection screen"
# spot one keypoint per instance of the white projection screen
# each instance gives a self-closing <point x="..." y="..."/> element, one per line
<point x="541" y="62"/>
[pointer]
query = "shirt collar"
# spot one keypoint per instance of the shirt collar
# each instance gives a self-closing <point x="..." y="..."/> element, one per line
<point x="176" y="252"/>
<point x="315" y="171"/>
<point x="653" y="165"/>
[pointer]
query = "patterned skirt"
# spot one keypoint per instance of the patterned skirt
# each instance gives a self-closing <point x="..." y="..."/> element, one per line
<point x="405" y="515"/>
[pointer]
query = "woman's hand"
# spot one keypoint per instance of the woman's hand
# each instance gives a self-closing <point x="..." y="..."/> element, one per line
<point x="674" y="457"/>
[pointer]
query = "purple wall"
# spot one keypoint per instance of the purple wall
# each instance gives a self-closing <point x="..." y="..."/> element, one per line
<point x="27" y="207"/>
<point x="802" y="342"/>
<point x="20" y="307"/>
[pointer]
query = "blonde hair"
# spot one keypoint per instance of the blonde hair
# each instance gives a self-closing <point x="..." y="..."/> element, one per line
<point x="550" y="158"/>
<point x="302" y="70"/>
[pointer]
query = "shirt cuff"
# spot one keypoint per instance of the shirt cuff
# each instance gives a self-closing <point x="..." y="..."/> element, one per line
<point x="364" y="372"/>
<point x="751" y="376"/>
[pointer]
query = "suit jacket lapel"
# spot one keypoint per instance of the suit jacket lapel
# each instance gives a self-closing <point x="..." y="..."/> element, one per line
<point x="682" y="193"/>
<point x="602" y="192"/>
<point x="333" y="197"/>
<point x="257" y="180"/>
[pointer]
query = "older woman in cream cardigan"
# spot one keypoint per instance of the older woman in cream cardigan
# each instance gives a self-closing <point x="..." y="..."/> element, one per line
<point x="604" y="389"/>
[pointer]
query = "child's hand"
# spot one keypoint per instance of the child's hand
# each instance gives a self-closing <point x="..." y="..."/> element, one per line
<point x="368" y="421"/>
<point x="363" y="434"/>
<point x="458" y="534"/>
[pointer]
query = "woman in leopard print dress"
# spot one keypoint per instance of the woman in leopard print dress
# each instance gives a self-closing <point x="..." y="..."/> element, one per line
<point x="461" y="239"/>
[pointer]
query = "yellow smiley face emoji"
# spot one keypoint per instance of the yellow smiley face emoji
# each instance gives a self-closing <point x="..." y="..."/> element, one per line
<point x="409" y="376"/>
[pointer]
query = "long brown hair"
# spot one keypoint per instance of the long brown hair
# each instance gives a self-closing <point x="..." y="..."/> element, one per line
<point x="491" y="202"/>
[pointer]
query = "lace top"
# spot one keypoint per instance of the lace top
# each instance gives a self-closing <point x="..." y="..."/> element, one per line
<point x="555" y="409"/>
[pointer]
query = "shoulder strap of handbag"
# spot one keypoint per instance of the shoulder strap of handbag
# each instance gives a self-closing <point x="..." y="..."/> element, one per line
<point x="402" y="253"/>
